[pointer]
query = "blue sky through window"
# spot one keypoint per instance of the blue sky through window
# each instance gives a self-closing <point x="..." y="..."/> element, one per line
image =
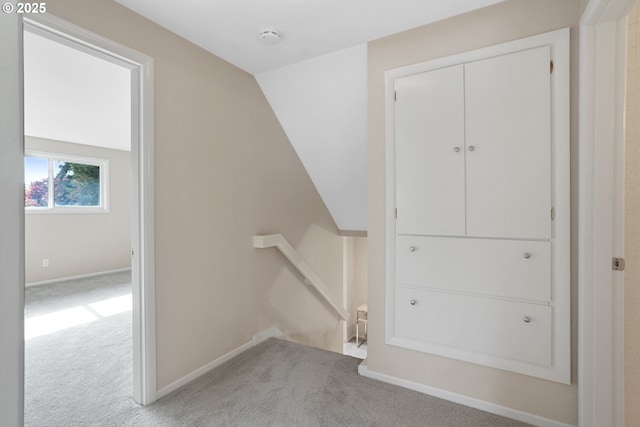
<point x="35" y="169"/>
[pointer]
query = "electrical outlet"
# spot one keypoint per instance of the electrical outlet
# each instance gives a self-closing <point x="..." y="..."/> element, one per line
<point x="45" y="262"/>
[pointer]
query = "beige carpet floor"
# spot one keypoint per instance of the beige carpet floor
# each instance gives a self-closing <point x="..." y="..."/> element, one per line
<point x="81" y="376"/>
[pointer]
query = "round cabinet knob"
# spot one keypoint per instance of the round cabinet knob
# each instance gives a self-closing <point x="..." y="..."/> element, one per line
<point x="471" y="147"/>
<point x="526" y="255"/>
<point x="526" y="319"/>
<point x="412" y="248"/>
<point x="456" y="149"/>
<point x="413" y="302"/>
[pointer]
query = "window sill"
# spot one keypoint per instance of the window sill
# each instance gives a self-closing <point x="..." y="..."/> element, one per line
<point x="79" y="210"/>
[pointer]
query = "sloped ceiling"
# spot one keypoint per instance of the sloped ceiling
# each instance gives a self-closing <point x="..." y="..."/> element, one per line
<point x="322" y="106"/>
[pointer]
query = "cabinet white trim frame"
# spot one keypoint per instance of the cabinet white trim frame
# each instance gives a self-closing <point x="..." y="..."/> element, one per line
<point x="478" y="207"/>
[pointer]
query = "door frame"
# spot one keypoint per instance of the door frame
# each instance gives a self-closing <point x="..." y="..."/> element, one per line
<point x="142" y="186"/>
<point x="600" y="212"/>
<point x="12" y="223"/>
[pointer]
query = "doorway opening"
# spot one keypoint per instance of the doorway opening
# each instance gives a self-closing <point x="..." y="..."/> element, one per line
<point x="354" y="270"/>
<point x="66" y="201"/>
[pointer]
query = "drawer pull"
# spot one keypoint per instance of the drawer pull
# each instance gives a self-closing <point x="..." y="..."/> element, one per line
<point x="413" y="302"/>
<point x="526" y="255"/>
<point x="456" y="149"/>
<point x="526" y="319"/>
<point x="412" y="249"/>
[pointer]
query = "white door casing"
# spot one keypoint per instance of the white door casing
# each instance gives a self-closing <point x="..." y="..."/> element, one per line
<point x="11" y="222"/>
<point x="142" y="186"/>
<point x="600" y="211"/>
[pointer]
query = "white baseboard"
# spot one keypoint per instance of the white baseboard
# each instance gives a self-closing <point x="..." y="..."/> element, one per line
<point x="257" y="339"/>
<point x="493" y="408"/>
<point x="269" y="333"/>
<point x="81" y="276"/>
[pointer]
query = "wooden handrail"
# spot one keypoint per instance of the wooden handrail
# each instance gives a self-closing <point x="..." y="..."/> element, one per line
<point x="310" y="276"/>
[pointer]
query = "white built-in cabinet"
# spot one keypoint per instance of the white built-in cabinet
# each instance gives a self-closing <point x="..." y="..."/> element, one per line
<point x="478" y="211"/>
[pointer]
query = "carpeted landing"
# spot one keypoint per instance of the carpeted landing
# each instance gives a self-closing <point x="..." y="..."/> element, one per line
<point x="280" y="383"/>
<point x="81" y="376"/>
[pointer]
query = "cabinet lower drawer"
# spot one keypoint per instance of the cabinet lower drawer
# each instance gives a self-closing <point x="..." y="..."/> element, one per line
<point x="506" y="268"/>
<point x="506" y="329"/>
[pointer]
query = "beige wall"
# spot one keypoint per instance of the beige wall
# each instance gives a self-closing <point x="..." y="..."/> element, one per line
<point x="632" y="225"/>
<point x="80" y="243"/>
<point x="503" y="22"/>
<point x="225" y="171"/>
<point x="294" y="307"/>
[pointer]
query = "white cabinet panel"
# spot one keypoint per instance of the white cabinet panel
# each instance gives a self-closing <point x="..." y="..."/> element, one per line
<point x="504" y="329"/>
<point x="502" y="268"/>
<point x="429" y="152"/>
<point x="508" y="143"/>
<point x="478" y="155"/>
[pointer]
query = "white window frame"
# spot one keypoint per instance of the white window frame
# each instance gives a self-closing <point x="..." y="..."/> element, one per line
<point x="103" y="164"/>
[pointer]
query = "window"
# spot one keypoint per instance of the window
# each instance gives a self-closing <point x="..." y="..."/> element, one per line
<point x="60" y="183"/>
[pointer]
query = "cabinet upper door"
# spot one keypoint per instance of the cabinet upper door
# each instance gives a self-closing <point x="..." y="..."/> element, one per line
<point x="508" y="145"/>
<point x="429" y="152"/>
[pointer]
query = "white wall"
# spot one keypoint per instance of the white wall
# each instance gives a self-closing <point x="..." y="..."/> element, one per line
<point x="321" y="104"/>
<point x="75" y="96"/>
<point x="503" y="22"/>
<point x="81" y="243"/>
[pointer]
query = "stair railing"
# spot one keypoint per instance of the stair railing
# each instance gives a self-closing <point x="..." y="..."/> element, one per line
<point x="311" y="278"/>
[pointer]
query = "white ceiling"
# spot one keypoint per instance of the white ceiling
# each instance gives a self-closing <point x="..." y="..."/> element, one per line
<point x="72" y="96"/>
<point x="308" y="28"/>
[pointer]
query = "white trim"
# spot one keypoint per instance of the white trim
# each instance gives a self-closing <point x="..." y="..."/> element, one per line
<point x="80" y="276"/>
<point x="311" y="277"/>
<point x="12" y="224"/>
<point x="269" y="333"/>
<point x="143" y="201"/>
<point x="345" y="285"/>
<point x="600" y="304"/>
<point x="461" y="399"/>
<point x="203" y="370"/>
<point x="544" y="39"/>
<point x="559" y="43"/>
<point x="618" y="213"/>
<point x="617" y="226"/>
<point x="257" y="339"/>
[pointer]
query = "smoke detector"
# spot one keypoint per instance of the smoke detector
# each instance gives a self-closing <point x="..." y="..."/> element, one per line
<point x="270" y="37"/>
